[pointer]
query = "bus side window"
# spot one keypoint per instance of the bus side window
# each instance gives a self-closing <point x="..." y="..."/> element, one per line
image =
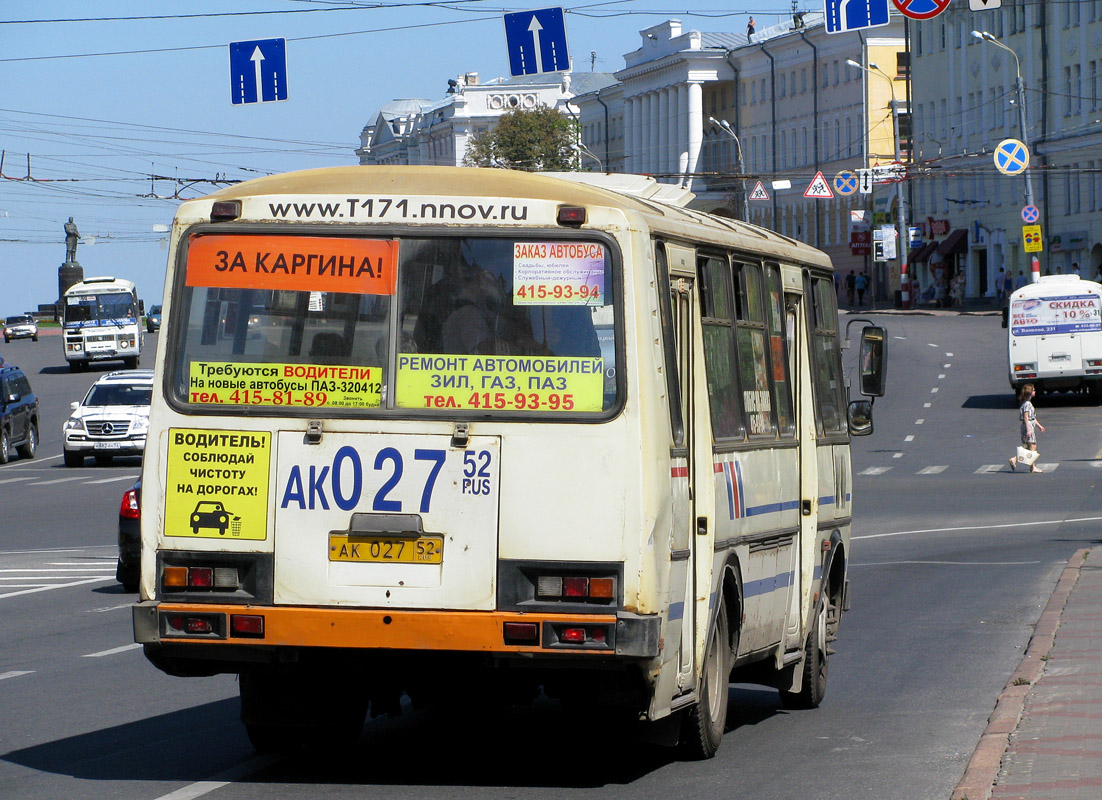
<point x="826" y="358"/>
<point x="720" y="360"/>
<point x="778" y="343"/>
<point x="669" y="345"/>
<point x="756" y="391"/>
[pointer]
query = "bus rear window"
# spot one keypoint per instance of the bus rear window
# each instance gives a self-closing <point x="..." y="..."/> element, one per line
<point x="462" y="323"/>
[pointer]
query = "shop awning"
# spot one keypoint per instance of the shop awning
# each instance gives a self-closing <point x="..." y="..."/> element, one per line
<point x="955" y="242"/>
<point x="922" y="253"/>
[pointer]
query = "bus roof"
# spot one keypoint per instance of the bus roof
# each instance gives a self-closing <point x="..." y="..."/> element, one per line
<point x="99" y="284"/>
<point x="662" y="204"/>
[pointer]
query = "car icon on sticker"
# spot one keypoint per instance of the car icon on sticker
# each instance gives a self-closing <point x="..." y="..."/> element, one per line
<point x="210" y="514"/>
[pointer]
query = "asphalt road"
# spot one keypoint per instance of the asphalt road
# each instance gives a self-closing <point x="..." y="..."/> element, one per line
<point x="952" y="564"/>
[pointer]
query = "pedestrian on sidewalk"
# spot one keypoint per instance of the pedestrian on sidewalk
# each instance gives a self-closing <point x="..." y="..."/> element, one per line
<point x="851" y="286"/>
<point x="1028" y="416"/>
<point x="862" y="284"/>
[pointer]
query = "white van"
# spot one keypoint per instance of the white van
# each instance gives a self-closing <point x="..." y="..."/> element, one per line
<point x="1055" y="338"/>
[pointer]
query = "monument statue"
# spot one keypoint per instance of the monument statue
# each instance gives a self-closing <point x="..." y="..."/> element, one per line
<point x="71" y="237"/>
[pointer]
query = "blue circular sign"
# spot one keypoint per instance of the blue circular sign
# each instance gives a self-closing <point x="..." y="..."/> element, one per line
<point x="845" y="182"/>
<point x="1031" y="214"/>
<point x="1011" y="157"/>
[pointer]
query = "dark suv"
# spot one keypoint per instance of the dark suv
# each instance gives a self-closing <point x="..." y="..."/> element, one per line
<point x="18" y="414"/>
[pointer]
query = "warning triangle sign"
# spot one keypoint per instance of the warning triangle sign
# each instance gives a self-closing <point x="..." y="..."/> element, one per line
<point x="819" y="188"/>
<point x="759" y="192"/>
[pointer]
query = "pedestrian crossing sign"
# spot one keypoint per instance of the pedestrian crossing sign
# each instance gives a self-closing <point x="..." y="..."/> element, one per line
<point x="819" y="188"/>
<point x="759" y="192"/>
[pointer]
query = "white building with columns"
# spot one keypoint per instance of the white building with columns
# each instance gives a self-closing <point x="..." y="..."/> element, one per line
<point x="663" y="98"/>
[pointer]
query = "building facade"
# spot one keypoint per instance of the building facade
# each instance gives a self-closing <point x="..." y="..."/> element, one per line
<point x="966" y="101"/>
<point x="793" y="108"/>
<point x="426" y="132"/>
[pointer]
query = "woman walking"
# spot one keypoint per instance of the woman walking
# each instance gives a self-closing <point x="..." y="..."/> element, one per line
<point x="1028" y="415"/>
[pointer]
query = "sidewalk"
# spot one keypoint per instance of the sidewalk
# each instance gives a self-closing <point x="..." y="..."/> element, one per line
<point x="1044" y="739"/>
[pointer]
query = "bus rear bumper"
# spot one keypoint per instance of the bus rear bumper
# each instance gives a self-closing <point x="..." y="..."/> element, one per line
<point x="248" y="633"/>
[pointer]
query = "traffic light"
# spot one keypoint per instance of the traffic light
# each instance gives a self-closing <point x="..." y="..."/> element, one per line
<point x="878" y="251"/>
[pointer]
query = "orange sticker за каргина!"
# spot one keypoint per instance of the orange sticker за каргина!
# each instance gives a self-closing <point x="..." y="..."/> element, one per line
<point x="294" y="263"/>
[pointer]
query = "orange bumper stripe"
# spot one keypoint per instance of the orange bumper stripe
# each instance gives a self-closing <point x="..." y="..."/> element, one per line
<point x="390" y="630"/>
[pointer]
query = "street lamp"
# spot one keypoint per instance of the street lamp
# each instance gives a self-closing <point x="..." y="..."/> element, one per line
<point x="987" y="37"/>
<point x="725" y="126"/>
<point x="904" y="240"/>
<point x="582" y="150"/>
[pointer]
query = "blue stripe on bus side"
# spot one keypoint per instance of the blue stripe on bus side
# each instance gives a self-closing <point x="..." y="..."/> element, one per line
<point x="766" y="585"/>
<point x="770" y="508"/>
<point x="677" y="611"/>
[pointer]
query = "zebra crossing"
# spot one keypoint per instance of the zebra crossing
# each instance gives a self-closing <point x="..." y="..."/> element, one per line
<point x="25" y="572"/>
<point x="48" y="480"/>
<point x="982" y="469"/>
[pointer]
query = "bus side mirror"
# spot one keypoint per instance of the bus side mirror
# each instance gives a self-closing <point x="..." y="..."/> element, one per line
<point x="873" y="362"/>
<point x="860" y="417"/>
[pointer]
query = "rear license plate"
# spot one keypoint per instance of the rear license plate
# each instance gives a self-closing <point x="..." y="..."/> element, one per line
<point x="1059" y="357"/>
<point x="428" y="549"/>
<point x="108" y="445"/>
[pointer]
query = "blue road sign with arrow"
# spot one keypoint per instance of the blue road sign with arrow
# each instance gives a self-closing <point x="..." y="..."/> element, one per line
<point x="536" y="41"/>
<point x="852" y="15"/>
<point x="258" y="71"/>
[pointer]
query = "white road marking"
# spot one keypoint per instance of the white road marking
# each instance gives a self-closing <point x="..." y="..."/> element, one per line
<point x="991" y="468"/>
<point x="114" y="480"/>
<point x="874" y="471"/>
<point x="57" y="586"/>
<point x="112" y="651"/>
<point x="927" y="405"/>
<point x="200" y="788"/>
<point x="63" y="569"/>
<point x="952" y="563"/>
<point x="13" y="480"/>
<point x="910" y="438"/>
<point x="920" y="421"/>
<point x="57" y="480"/>
<point x="15" y="673"/>
<point x="21" y="465"/>
<point x="897" y="455"/>
<point x="963" y="528"/>
<point x="947" y="366"/>
<point x="901" y="338"/>
<point x="941" y="376"/>
<point x="930" y="345"/>
<point x="934" y="390"/>
<point x="936" y="470"/>
<point x="948" y="355"/>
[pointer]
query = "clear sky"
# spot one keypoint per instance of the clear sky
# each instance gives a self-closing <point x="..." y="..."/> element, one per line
<point x="98" y="104"/>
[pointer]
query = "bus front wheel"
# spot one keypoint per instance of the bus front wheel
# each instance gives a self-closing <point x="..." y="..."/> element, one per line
<point x="704" y="722"/>
<point x="814" y="665"/>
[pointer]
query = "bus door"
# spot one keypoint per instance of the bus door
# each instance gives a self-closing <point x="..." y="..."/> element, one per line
<point x="803" y="411"/>
<point x="678" y="308"/>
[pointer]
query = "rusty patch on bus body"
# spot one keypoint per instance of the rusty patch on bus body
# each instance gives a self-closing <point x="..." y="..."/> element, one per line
<point x="294" y="263"/>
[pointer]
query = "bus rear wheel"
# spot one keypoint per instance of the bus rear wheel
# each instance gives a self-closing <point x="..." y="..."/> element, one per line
<point x="704" y="722"/>
<point x="289" y="712"/>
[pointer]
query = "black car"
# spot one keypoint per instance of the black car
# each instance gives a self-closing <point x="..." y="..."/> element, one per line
<point x="18" y="414"/>
<point x="128" y="570"/>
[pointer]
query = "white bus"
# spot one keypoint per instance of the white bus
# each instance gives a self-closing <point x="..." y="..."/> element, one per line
<point x="1054" y="339"/>
<point x="432" y="431"/>
<point x="100" y="322"/>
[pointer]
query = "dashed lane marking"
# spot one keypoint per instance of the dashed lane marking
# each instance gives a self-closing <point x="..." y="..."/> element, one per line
<point x="935" y="470"/>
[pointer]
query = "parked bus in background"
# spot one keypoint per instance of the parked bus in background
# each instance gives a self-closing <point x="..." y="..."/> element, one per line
<point x="1054" y="339"/>
<point x="471" y="433"/>
<point x="100" y="322"/>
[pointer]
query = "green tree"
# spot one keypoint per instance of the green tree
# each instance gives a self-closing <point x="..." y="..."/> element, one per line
<point x="537" y="140"/>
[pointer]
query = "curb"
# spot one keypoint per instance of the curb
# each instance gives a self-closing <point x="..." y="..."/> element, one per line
<point x="983" y="768"/>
